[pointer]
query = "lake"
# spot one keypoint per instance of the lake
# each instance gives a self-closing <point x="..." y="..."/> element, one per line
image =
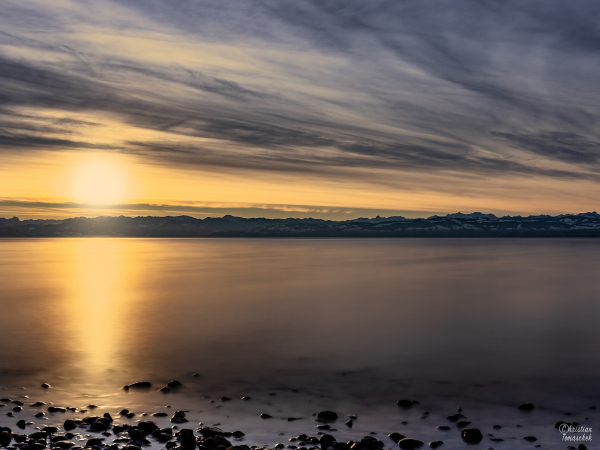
<point x="349" y="325"/>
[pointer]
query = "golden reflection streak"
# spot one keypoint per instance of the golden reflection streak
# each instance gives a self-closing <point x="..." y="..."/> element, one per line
<point x="96" y="303"/>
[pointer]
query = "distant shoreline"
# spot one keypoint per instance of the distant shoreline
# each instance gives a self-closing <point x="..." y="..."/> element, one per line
<point x="476" y="225"/>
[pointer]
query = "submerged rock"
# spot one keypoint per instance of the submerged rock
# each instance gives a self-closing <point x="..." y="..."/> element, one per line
<point x="328" y="416"/>
<point x="396" y="437"/>
<point x="46" y="386"/>
<point x="138" y="385"/>
<point x="406" y="403"/>
<point x="410" y="444"/>
<point x="349" y="423"/>
<point x="527" y="407"/>
<point x="436" y="444"/>
<point x="266" y="416"/>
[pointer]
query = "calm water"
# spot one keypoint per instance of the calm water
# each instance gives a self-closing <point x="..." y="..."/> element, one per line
<point x="352" y="325"/>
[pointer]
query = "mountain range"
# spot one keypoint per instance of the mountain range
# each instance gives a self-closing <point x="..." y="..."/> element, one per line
<point x="451" y="225"/>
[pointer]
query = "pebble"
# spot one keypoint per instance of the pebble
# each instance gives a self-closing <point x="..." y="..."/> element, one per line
<point x="328" y="416"/>
<point x="138" y="385"/>
<point x="266" y="416"/>
<point x="527" y="407"/>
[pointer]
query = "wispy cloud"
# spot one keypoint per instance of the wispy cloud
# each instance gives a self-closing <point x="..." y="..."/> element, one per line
<point x="486" y="89"/>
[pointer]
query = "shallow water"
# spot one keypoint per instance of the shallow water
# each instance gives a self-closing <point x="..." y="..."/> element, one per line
<point x="351" y="324"/>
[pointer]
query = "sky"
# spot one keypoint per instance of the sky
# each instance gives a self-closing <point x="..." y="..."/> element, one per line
<point x="274" y="108"/>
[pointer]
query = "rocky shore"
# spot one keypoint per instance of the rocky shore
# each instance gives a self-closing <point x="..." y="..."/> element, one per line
<point x="94" y="430"/>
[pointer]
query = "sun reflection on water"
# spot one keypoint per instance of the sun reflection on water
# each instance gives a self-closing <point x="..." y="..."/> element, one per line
<point x="97" y="304"/>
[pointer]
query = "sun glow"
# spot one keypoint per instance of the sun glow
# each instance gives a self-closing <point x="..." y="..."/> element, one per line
<point x="99" y="182"/>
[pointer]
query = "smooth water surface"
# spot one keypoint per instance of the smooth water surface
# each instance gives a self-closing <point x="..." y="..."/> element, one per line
<point x="348" y="323"/>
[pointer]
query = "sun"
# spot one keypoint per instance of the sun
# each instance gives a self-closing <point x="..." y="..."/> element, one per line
<point x="99" y="182"/>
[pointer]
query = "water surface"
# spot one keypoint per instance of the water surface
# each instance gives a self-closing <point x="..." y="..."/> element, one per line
<point x="350" y="324"/>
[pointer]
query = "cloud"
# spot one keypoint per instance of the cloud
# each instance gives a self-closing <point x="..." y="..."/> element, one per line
<point x="312" y="87"/>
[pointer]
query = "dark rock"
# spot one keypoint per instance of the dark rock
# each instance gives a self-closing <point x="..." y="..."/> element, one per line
<point x="39" y="415"/>
<point x="56" y="409"/>
<point x="17" y="409"/>
<point x="328" y="416"/>
<point x="63" y="444"/>
<point x="138" y="385"/>
<point x="348" y="423"/>
<point x="123" y="412"/>
<point x="279" y="446"/>
<point x="179" y="417"/>
<point x="98" y="427"/>
<point x="471" y="435"/>
<point x="436" y="444"/>
<point x="497" y="427"/>
<point x="5" y="438"/>
<point x="160" y="414"/>
<point x="117" y="429"/>
<point x="50" y="430"/>
<point x="238" y="434"/>
<point x="93" y="442"/>
<point x="225" y="399"/>
<point x="38" y="435"/>
<point x="463" y="423"/>
<point x="164" y="390"/>
<point x="527" y="407"/>
<point x="581" y="447"/>
<point x="326" y="440"/>
<point x="291" y="419"/>
<point x="135" y="433"/>
<point x="266" y="416"/>
<point x="444" y="428"/>
<point x="410" y="444"/>
<point x="323" y="427"/>
<point x="131" y="447"/>
<point x="530" y="438"/>
<point x="396" y="437"/>
<point x="174" y="384"/>
<point x="21" y="424"/>
<point x="69" y="425"/>
<point x="340" y="446"/>
<point x="406" y="403"/>
<point x="46" y="386"/>
<point x="37" y="404"/>
<point x="186" y="437"/>
<point x="246" y="398"/>
<point x="455" y="417"/>
<point x="18" y="402"/>
<point x="211" y="431"/>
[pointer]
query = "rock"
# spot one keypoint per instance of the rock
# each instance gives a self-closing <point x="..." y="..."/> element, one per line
<point x="225" y="399"/>
<point x="179" y="417"/>
<point x="497" y="427"/>
<point x="138" y="385"/>
<point x="164" y="390"/>
<point x="530" y="438"/>
<point x="396" y="437"/>
<point x="123" y="412"/>
<point x="39" y="415"/>
<point x="93" y="442"/>
<point x="410" y="444"/>
<point x="37" y="404"/>
<point x="211" y="431"/>
<point x="56" y="409"/>
<point x="444" y="428"/>
<point x="581" y="447"/>
<point x="462" y="423"/>
<point x="238" y="434"/>
<point x="455" y="417"/>
<point x="472" y="435"/>
<point x="131" y="447"/>
<point x="186" y="437"/>
<point x="46" y="386"/>
<point x="291" y="419"/>
<point x="246" y="398"/>
<point x="5" y="438"/>
<point x="50" y="430"/>
<point x="69" y="425"/>
<point x="21" y="424"/>
<point x="326" y="440"/>
<point x="436" y="444"/>
<point x="328" y="416"/>
<point x="406" y="403"/>
<point x="174" y="384"/>
<point x="323" y="427"/>
<point x="348" y="423"/>
<point x="527" y="407"/>
<point x="266" y="416"/>
<point x="340" y="446"/>
<point x="17" y="409"/>
<point x="279" y="446"/>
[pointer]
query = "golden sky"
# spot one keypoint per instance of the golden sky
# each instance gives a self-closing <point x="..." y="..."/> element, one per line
<point x="305" y="109"/>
